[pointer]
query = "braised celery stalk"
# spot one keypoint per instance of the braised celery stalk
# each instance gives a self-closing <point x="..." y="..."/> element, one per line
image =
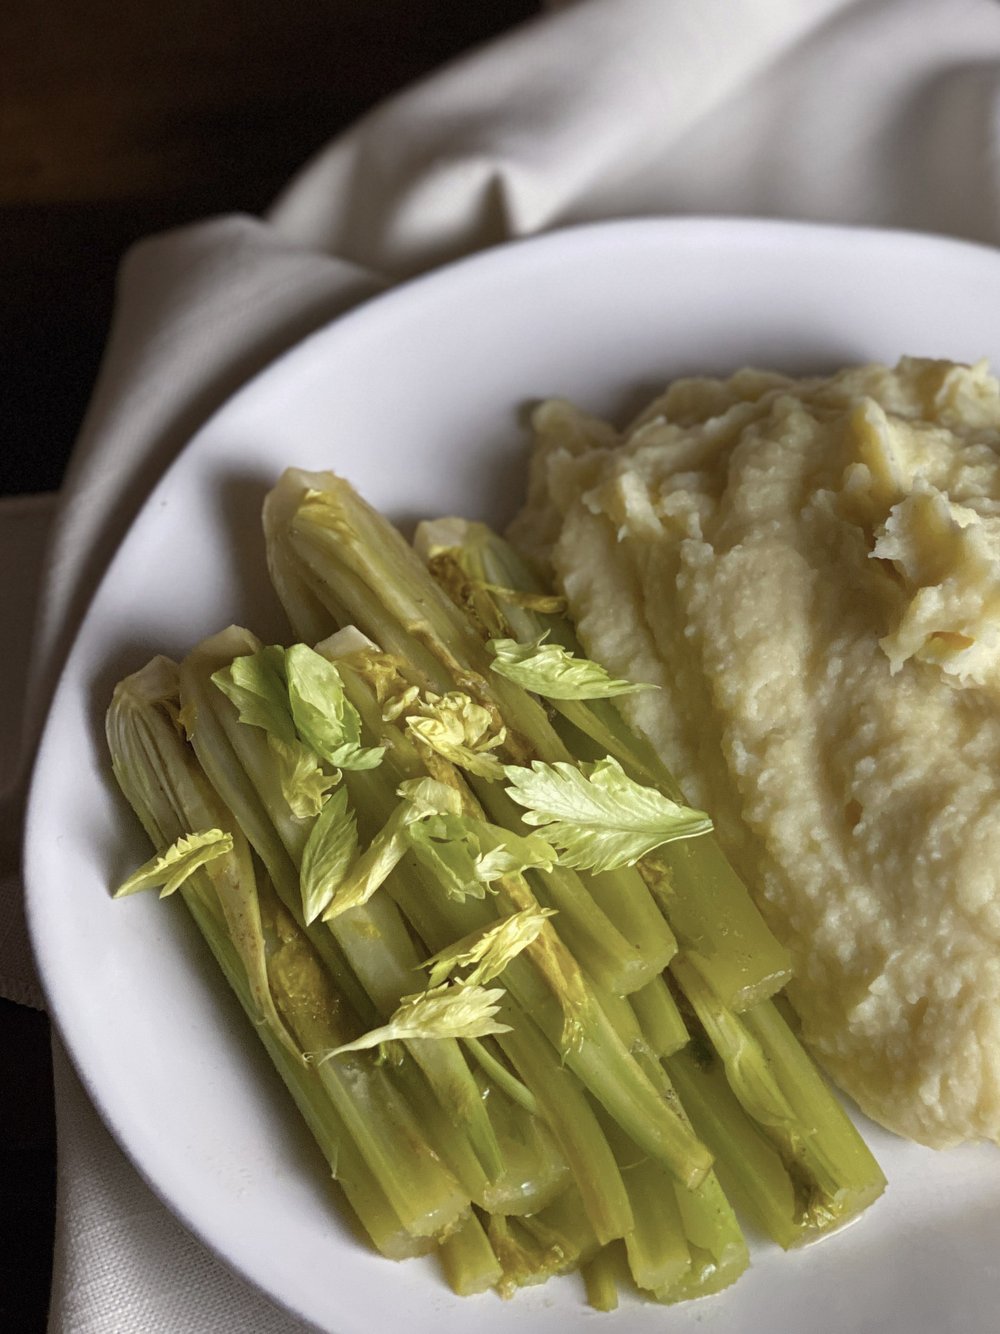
<point x="468" y="1259"/>
<point x="600" y="1277"/>
<point x="748" y="1165"/>
<point x="833" y="1175"/>
<point x="701" y="895"/>
<point x="393" y="1180"/>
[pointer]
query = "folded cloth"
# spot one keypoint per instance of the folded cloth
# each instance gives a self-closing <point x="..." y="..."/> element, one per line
<point x="877" y="111"/>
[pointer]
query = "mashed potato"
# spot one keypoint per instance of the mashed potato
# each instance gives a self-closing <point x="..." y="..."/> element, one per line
<point x="810" y="569"/>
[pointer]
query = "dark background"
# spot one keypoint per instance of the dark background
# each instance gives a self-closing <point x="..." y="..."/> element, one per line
<point x="117" y="120"/>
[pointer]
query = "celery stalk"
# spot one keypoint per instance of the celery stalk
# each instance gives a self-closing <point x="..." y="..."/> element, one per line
<point x="748" y="1166"/>
<point x="779" y="1087"/>
<point x="564" y="1223"/>
<point x="600" y="1277"/>
<point x="524" y="1259"/>
<point x="659" y="1018"/>
<point x="836" y="1157"/>
<point x="468" y="1259"/>
<point x="656" y="1247"/>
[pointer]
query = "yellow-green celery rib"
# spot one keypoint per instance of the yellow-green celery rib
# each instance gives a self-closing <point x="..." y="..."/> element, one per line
<point x="347" y="1165"/>
<point x="838" y="1157"/>
<point x="747" y="1164"/>
<point x="656" y="1247"/>
<point x="717" y="1246"/>
<point x="659" y="1019"/>
<point x="524" y="1259"/>
<point x="600" y="1278"/>
<point x="237" y="761"/>
<point x="776" y="1082"/>
<point x="468" y="1260"/>
<point x="564" y="1223"/>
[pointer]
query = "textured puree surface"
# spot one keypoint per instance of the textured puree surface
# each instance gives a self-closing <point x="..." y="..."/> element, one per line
<point x="810" y="570"/>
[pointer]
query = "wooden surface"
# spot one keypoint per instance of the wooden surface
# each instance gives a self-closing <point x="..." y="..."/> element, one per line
<point x="117" y="120"/>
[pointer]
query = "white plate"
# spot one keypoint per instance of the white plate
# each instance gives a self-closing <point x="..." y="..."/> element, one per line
<point x="418" y="398"/>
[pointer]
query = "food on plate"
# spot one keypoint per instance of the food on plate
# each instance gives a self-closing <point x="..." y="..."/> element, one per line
<point x="810" y="572"/>
<point x="526" y="1006"/>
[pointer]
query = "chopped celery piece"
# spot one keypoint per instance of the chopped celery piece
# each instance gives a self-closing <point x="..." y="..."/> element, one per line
<point x="660" y="1020"/>
<point x="600" y="1277"/>
<point x="468" y="1259"/>
<point x="747" y="1164"/>
<point x="524" y="1259"/>
<point x="835" y="1156"/>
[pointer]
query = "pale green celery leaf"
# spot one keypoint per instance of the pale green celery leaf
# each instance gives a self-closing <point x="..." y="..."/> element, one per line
<point x="324" y="718"/>
<point x="172" y="867"/>
<point x="446" y="1012"/>
<point x="428" y="796"/>
<point x="330" y="850"/>
<point x="490" y="949"/>
<point x="552" y="671"/>
<point x="506" y="853"/>
<point x="598" y="817"/>
<point x="444" y="846"/>
<point x="466" y="854"/>
<point x="305" y="784"/>
<point x="383" y="854"/>
<point x="459" y="729"/>
<point x="255" y="683"/>
<point x="396" y="704"/>
<point x="423" y="799"/>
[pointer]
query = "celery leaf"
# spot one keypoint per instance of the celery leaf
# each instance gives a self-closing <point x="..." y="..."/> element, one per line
<point x="445" y="1012"/>
<point x="552" y="671"/>
<point x="329" y="852"/>
<point x="324" y="718"/>
<point x="255" y="684"/>
<point x="169" y="869"/>
<point x="598" y="817"/>
<point x="489" y="950"/>
<point x="460" y="730"/>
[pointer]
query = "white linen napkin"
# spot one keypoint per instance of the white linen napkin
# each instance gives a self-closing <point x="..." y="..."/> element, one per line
<point x="876" y="111"/>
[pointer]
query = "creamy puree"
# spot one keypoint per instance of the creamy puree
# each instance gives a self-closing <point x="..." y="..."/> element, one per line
<point x="810" y="569"/>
